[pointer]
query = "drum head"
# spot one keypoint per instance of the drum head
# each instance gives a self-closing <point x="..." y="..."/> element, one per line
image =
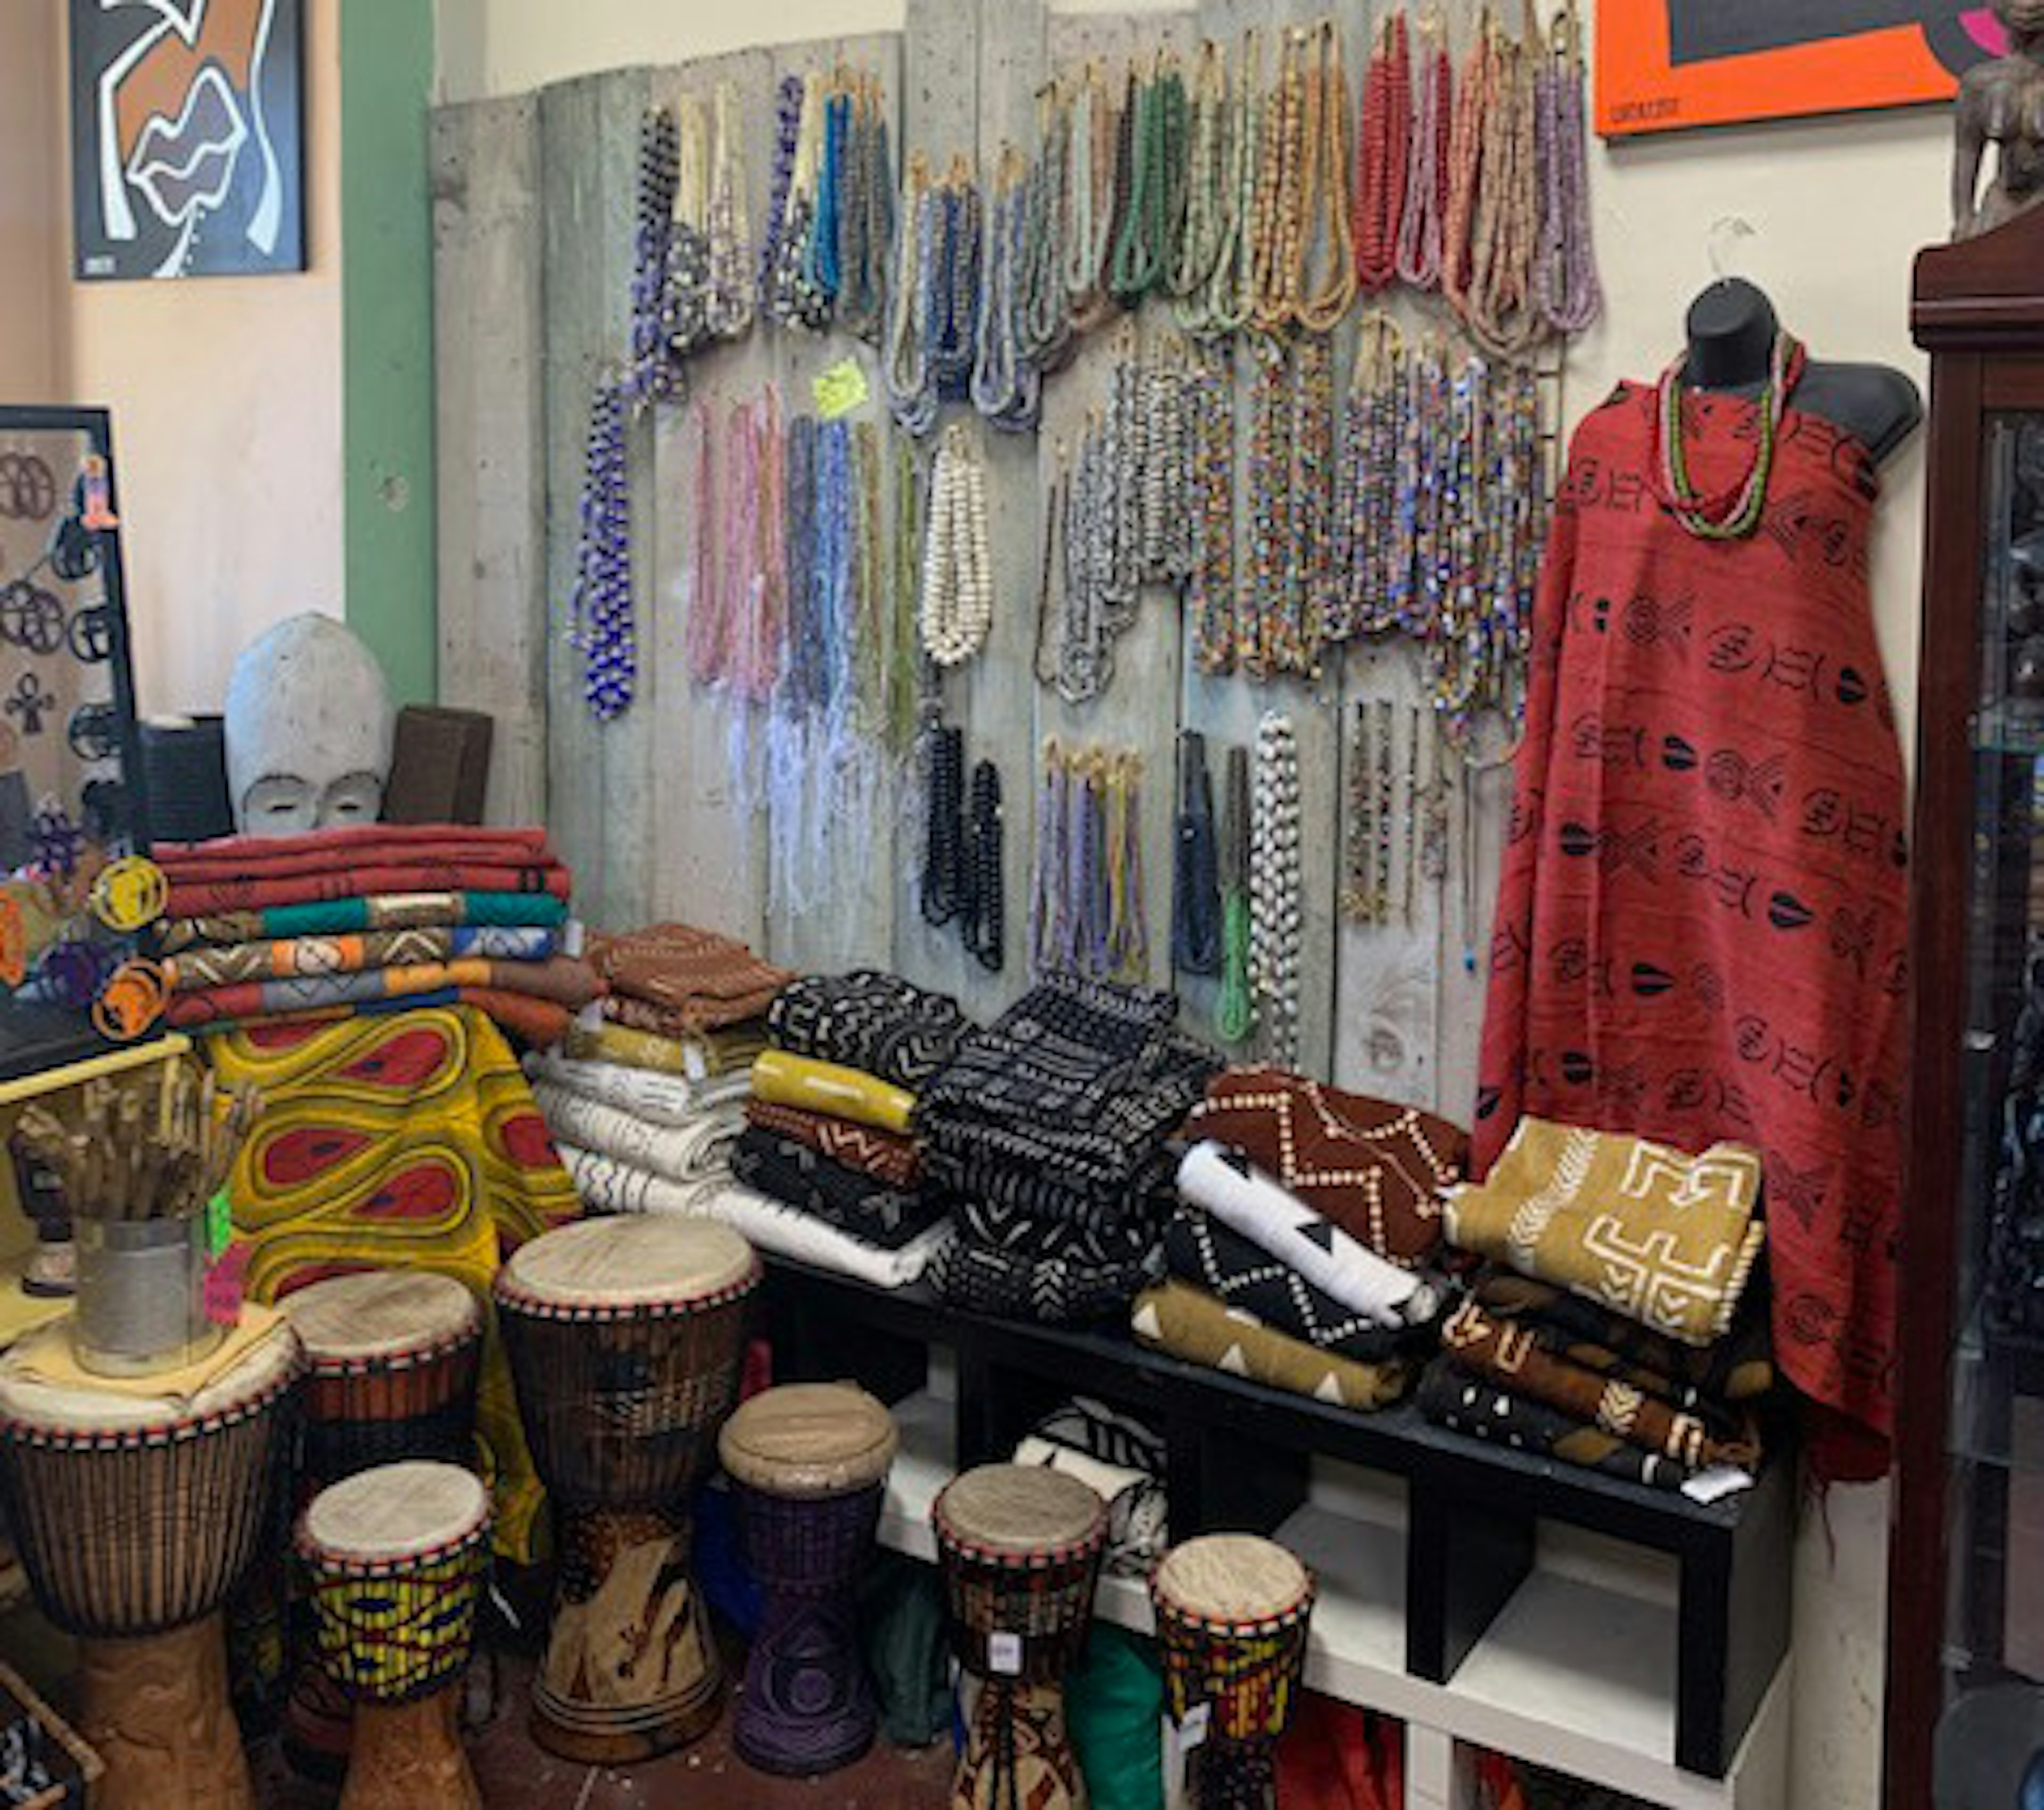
<point x="1232" y="1578"/>
<point x="395" y="1512"/>
<point x="640" y="1261"/>
<point x="257" y="1374"/>
<point x="809" y="1440"/>
<point x="386" y="1313"/>
<point x="1020" y="1510"/>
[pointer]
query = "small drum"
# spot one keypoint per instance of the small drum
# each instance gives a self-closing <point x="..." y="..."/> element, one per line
<point x="393" y="1357"/>
<point x="397" y="1558"/>
<point x="810" y="1462"/>
<point x="1019" y="1550"/>
<point x="134" y="1518"/>
<point x="625" y="1337"/>
<point x="1231" y="1616"/>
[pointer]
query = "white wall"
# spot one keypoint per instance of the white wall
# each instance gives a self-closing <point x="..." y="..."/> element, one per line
<point x="1827" y="215"/>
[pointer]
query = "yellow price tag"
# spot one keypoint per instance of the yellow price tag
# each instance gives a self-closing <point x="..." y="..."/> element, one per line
<point x="840" y="390"/>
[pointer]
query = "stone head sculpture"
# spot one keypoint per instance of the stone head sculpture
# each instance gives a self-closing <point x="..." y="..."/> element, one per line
<point x="2001" y="109"/>
<point x="308" y="729"/>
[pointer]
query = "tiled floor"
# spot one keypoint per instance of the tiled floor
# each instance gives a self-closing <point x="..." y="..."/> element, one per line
<point x="513" y="1774"/>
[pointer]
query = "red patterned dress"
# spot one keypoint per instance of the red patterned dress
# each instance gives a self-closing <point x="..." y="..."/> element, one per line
<point x="1703" y="920"/>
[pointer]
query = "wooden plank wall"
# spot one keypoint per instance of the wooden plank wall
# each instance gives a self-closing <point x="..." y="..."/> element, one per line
<point x="534" y="216"/>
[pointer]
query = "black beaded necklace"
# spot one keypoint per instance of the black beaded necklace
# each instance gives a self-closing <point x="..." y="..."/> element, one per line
<point x="984" y="928"/>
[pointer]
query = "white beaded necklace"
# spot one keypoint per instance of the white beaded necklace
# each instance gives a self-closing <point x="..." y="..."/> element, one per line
<point x="957" y="560"/>
<point x="1276" y="916"/>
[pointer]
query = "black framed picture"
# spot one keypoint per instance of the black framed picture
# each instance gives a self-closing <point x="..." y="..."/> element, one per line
<point x="187" y="137"/>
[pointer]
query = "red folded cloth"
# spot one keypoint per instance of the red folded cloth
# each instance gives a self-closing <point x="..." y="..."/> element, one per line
<point x="250" y="892"/>
<point x="322" y="850"/>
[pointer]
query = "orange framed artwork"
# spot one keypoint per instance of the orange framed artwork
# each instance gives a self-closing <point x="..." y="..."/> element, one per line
<point x="1663" y="65"/>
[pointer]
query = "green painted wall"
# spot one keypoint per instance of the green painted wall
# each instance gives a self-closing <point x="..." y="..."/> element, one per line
<point x="386" y="74"/>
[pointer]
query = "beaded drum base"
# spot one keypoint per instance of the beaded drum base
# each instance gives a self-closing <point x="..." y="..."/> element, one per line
<point x="409" y="1756"/>
<point x="630" y="1669"/>
<point x="157" y="1710"/>
<point x="1018" y="1752"/>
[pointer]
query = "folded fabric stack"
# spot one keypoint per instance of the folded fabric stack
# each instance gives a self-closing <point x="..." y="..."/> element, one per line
<point x="1613" y="1327"/>
<point x="342" y="923"/>
<point x="1301" y="1258"/>
<point x="685" y="985"/>
<point x="827" y="1149"/>
<point x="1048" y="1138"/>
<point x="1121" y="1459"/>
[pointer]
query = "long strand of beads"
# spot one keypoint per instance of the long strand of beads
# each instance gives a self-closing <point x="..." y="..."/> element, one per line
<point x="787" y="138"/>
<point x="1229" y="298"/>
<point x="1308" y="554"/>
<point x="1500" y="307"/>
<point x="1276" y="893"/>
<point x="1357" y="904"/>
<point x="1196" y="911"/>
<point x="711" y="628"/>
<point x="1478" y="93"/>
<point x="943" y="848"/>
<point x="1412" y="817"/>
<point x="985" y="928"/>
<point x="1207" y="201"/>
<point x="1127" y="938"/>
<point x="1132" y="270"/>
<point x="727" y="303"/>
<point x="1269" y="515"/>
<point x="653" y="377"/>
<point x="1325" y="223"/>
<point x="1215" y="603"/>
<point x="1420" y="230"/>
<point x="1006" y="388"/>
<point x="871" y="653"/>
<point x="911" y="399"/>
<point x="1281" y="227"/>
<point x="1734" y="513"/>
<point x="801" y="679"/>
<point x="1234" y="1012"/>
<point x="685" y="297"/>
<point x="600" y="609"/>
<point x="957" y="566"/>
<point x="1047" y="866"/>
<point x="1383" y="809"/>
<point x="799" y="297"/>
<point x="1570" y="294"/>
<point x="903" y="574"/>
<point x="1384" y="145"/>
<point x="951" y="326"/>
<point x="1045" y="333"/>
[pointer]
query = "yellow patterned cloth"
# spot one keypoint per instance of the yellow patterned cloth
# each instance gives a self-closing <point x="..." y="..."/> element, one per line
<point x="728" y="1051"/>
<point x="1665" y="1239"/>
<point x="405" y="1142"/>
<point x="1188" y="1323"/>
<point x="831" y="1090"/>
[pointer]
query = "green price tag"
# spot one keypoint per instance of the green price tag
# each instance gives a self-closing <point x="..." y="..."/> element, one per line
<point x="840" y="390"/>
<point x="219" y="1224"/>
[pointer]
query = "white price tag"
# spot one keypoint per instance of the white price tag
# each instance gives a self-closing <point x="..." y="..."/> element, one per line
<point x="1714" y="1483"/>
<point x="694" y="1064"/>
<point x="1193" y="1727"/>
<point x="1003" y="1655"/>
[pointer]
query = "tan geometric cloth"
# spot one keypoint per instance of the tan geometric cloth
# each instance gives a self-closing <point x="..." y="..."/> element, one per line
<point x="677" y="979"/>
<point x="1666" y="1238"/>
<point x="1376" y="1170"/>
<point x="1187" y="1323"/>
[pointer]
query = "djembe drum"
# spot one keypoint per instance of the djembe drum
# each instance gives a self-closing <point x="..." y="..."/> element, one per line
<point x="625" y="1337"/>
<point x="809" y="1461"/>
<point x="1232" y="1611"/>
<point x="134" y="1518"/>
<point x="392" y="1358"/>
<point x="1019" y="1551"/>
<point x="396" y="1556"/>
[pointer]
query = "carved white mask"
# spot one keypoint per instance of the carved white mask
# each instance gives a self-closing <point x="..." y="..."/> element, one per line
<point x="308" y="730"/>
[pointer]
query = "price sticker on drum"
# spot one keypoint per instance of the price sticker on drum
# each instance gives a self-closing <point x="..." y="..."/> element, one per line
<point x="1003" y="1655"/>
<point x="219" y="1223"/>
<point x="1193" y="1726"/>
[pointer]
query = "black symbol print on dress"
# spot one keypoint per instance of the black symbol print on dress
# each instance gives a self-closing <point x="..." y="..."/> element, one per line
<point x="92" y="635"/>
<point x="31" y="618"/>
<point x="1650" y="623"/>
<point x="93" y="732"/>
<point x="1787" y="912"/>
<point x="1650" y="982"/>
<point x="30" y="703"/>
<point x="27" y="487"/>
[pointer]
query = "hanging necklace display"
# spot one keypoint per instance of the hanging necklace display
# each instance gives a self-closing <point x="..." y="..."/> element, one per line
<point x="1213" y="594"/>
<point x="1734" y="512"/>
<point x="1315" y="591"/>
<point x="873" y="656"/>
<point x="1411" y="819"/>
<point x="1209" y="204"/>
<point x="1325" y="239"/>
<point x="951" y="306"/>
<point x="1566" y="288"/>
<point x="821" y="269"/>
<point x="984" y="928"/>
<point x="1280" y="209"/>
<point x="601" y="616"/>
<point x="905" y="568"/>
<point x="1087" y="913"/>
<point x="1477" y="94"/>
<point x="1126" y="954"/>
<point x="1366" y="501"/>
<point x="1359" y="903"/>
<point x="944" y="872"/>
<point x="1276" y="898"/>
<point x="707" y="642"/>
<point x="1227" y="297"/>
<point x="1383" y="147"/>
<point x="1196" y="907"/>
<point x="797" y="297"/>
<point x="1043" y="332"/>
<point x="1153" y="216"/>
<point x="911" y="397"/>
<point x="1164" y="457"/>
<point x="1235" y="1013"/>
<point x="685" y="298"/>
<point x="728" y="299"/>
<point x="1499" y="306"/>
<point x="957" y="564"/>
<point x="1270" y="512"/>
<point x="866" y="216"/>
<point x="1006" y="389"/>
<point x="780" y="197"/>
<point x="1420" y="227"/>
<point x="1090" y="243"/>
<point x="653" y="377"/>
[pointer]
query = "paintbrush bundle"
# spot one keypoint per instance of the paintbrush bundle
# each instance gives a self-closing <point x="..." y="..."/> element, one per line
<point x="147" y="1149"/>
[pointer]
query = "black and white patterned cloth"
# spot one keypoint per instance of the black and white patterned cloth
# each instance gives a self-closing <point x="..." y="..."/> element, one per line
<point x="1051" y="1291"/>
<point x="798" y="1177"/>
<point x="876" y="1022"/>
<point x="1121" y="1459"/>
<point x="1199" y="1249"/>
<point x="1130" y="1237"/>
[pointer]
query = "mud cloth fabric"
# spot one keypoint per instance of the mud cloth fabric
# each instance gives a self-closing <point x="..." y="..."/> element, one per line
<point x="1052" y="1291"/>
<point x="646" y="1093"/>
<point x="409" y="1140"/>
<point x="1465" y="1402"/>
<point x="699" y="1150"/>
<point x="1185" y="1323"/>
<point x="731" y="1050"/>
<point x="887" y="1157"/>
<point x="1621" y="1401"/>
<point x="869" y="1020"/>
<point x="1374" y="1169"/>
<point x="799" y="1176"/>
<point x="1702" y="923"/>
<point x="680" y="979"/>
<point x="1662" y="1237"/>
<point x="378" y="911"/>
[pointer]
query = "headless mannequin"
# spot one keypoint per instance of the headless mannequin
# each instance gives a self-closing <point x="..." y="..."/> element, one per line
<point x="1731" y="329"/>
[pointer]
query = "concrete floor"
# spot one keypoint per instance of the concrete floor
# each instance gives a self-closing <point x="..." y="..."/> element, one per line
<point x="513" y="1774"/>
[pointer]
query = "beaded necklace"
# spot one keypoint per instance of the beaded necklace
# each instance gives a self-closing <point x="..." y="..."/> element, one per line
<point x="1478" y="94"/>
<point x="1132" y="268"/>
<point x="1228" y="300"/>
<point x="1734" y="512"/>
<point x="867" y="218"/>
<point x="800" y="299"/>
<point x="1499" y="301"/>
<point x="1359" y="904"/>
<point x="802" y="678"/>
<point x="787" y="136"/>
<point x="1270" y="512"/>
<point x="1125" y="945"/>
<point x="1384" y="145"/>
<point x="1313" y="592"/>
<point x="984" y="928"/>
<point x="820" y="263"/>
<point x="1214" y="600"/>
<point x="1280" y="204"/>
<point x="1567" y="288"/>
<point x="873" y="605"/>
<point x="943" y="847"/>
<point x="1045" y="333"/>
<point x="957" y="566"/>
<point x="1420" y="230"/>
<point x="1006" y="388"/>
<point x="653" y="378"/>
<point x="1277" y="903"/>
<point x="1364" y="508"/>
<point x="904" y="572"/>
<point x="1324" y="217"/>
<point x="954" y="287"/>
<point x="1234" y="1011"/>
<point x="600" y="610"/>
<point x="1196" y="907"/>
<point x="1209" y="200"/>
<point x="710" y="628"/>
<point x="911" y="397"/>
<point x="728" y="300"/>
<point x="685" y="296"/>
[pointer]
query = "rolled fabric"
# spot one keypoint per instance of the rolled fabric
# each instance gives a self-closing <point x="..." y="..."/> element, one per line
<point x="1461" y="1400"/>
<point x="665" y="1099"/>
<point x="696" y="1152"/>
<point x="1184" y="1323"/>
<point x="782" y="1080"/>
<point x="692" y="1057"/>
<point x="885" y="1156"/>
<point x="363" y="914"/>
<point x="870" y="1020"/>
<point x="1136" y="1506"/>
<point x="1226" y="1185"/>
<point x="288" y="958"/>
<point x="798" y="1177"/>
